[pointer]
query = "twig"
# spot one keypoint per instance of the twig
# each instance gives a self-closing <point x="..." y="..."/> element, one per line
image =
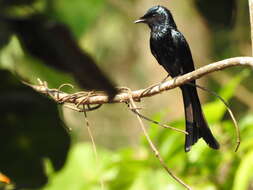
<point x="153" y="147"/>
<point x="93" y="143"/>
<point x="157" y="123"/>
<point x="100" y="98"/>
<point x="242" y="93"/>
<point x="238" y="136"/>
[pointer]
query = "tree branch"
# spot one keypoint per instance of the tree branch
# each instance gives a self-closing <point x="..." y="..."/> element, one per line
<point x="88" y="98"/>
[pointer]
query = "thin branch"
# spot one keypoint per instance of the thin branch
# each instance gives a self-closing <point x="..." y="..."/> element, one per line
<point x="158" y="123"/>
<point x="93" y="143"/>
<point x="242" y="93"/>
<point x="238" y="136"/>
<point x="86" y="98"/>
<point x="153" y="147"/>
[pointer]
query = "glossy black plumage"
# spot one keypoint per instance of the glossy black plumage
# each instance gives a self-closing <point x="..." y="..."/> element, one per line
<point x="172" y="51"/>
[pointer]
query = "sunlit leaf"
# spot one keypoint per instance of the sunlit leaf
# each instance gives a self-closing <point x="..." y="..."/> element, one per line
<point x="214" y="111"/>
<point x="81" y="170"/>
<point x="78" y="14"/>
<point x="246" y="122"/>
<point x="243" y="176"/>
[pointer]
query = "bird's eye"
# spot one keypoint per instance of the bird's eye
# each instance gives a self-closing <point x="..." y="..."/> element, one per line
<point x="154" y="14"/>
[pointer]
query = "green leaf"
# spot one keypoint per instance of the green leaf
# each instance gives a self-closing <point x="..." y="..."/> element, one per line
<point x="214" y="111"/>
<point x="78" y="14"/>
<point x="244" y="173"/>
<point x="81" y="170"/>
<point x="150" y="179"/>
<point x="246" y="122"/>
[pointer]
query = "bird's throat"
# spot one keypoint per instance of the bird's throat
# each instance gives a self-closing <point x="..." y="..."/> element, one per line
<point x="159" y="31"/>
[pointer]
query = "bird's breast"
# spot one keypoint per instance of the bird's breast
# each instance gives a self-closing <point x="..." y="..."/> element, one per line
<point x="164" y="48"/>
<point x="164" y="51"/>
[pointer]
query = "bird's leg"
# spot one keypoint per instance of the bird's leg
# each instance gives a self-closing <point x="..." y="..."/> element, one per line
<point x="159" y="86"/>
<point x="147" y="90"/>
<point x="165" y="78"/>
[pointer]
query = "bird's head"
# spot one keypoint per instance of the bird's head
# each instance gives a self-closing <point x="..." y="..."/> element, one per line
<point x="157" y="17"/>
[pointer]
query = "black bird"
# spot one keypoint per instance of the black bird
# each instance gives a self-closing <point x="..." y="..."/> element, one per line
<point x="172" y="51"/>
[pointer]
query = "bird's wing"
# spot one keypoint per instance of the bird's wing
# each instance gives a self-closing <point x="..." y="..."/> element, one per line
<point x="152" y="48"/>
<point x="183" y="52"/>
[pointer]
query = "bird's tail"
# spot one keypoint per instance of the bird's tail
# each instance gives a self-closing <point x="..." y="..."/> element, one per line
<point x="196" y="125"/>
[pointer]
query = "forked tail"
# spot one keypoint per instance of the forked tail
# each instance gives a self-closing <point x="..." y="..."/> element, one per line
<point x="196" y="125"/>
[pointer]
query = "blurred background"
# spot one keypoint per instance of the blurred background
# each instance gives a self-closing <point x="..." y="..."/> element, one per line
<point x="47" y="147"/>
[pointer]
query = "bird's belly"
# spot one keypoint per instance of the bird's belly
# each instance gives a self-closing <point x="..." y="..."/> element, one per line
<point x="170" y="62"/>
<point x="165" y="52"/>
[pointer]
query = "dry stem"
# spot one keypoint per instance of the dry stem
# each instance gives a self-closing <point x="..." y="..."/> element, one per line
<point x="94" y="148"/>
<point x="152" y="145"/>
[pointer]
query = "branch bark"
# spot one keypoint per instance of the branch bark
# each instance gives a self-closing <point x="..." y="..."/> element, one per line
<point x="89" y="98"/>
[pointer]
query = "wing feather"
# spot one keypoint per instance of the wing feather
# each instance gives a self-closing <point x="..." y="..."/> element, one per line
<point x="183" y="52"/>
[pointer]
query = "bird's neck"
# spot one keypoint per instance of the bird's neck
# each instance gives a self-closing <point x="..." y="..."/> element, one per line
<point x="160" y="30"/>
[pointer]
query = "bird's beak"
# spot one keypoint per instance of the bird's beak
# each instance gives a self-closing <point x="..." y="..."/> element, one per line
<point x="140" y="20"/>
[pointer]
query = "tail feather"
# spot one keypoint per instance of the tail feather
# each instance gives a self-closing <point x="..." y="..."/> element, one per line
<point x="196" y="125"/>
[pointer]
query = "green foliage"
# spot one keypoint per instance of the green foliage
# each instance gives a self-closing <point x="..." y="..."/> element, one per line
<point x="13" y="58"/>
<point x="81" y="168"/>
<point x="76" y="13"/>
<point x="244" y="173"/>
<point x="215" y="110"/>
<point x="31" y="130"/>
